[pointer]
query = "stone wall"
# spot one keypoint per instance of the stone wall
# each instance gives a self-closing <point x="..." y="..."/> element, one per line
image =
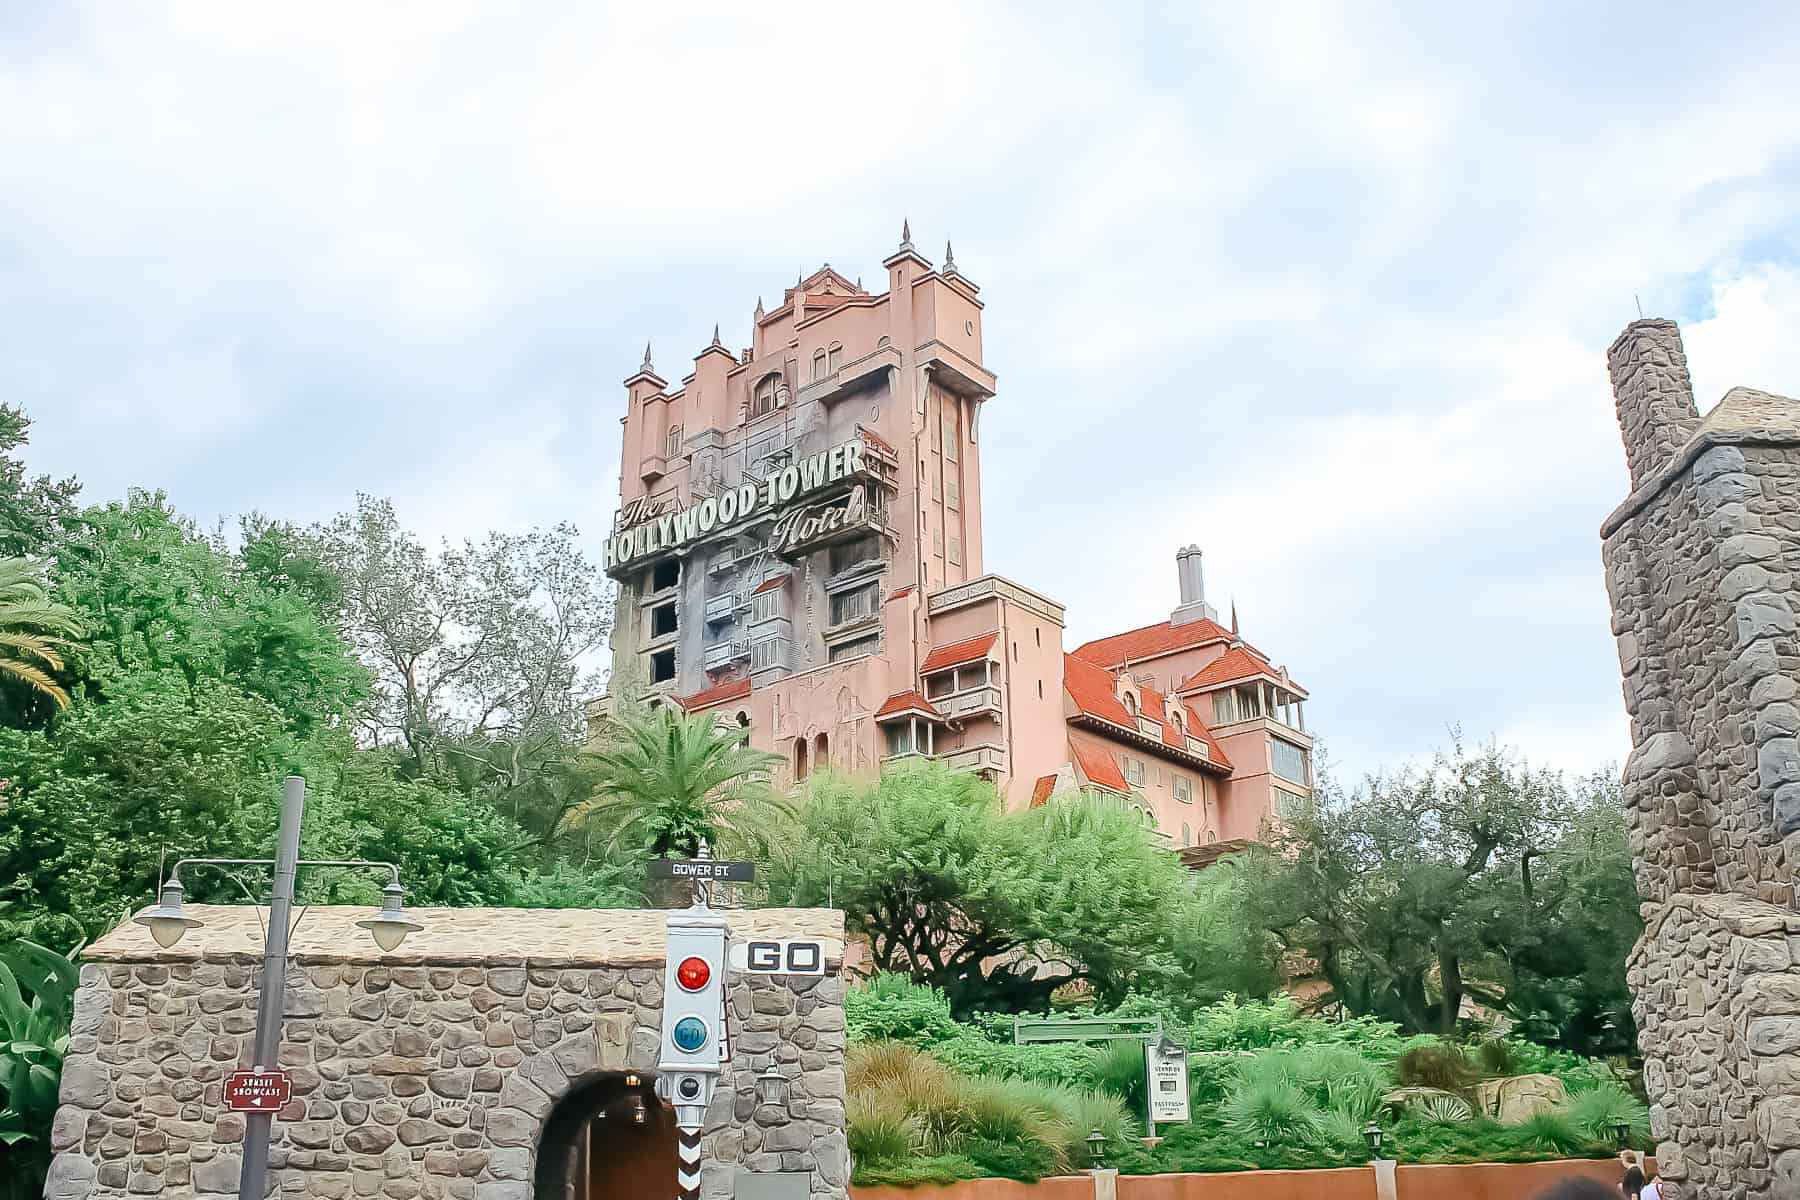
<point x="417" y="1079"/>
<point x="1700" y="567"/>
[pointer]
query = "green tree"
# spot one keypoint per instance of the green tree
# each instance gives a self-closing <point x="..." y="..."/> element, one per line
<point x="34" y="631"/>
<point x="1427" y="886"/>
<point x="667" y="780"/>
<point x="998" y="909"/>
<point x="33" y="512"/>
<point x="476" y="650"/>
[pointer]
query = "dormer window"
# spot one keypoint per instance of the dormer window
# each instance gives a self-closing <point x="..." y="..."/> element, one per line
<point x="762" y="399"/>
<point x="1131" y="704"/>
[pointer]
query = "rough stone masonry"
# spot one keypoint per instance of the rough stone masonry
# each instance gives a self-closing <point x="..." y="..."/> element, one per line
<point x="1701" y="566"/>
<point x="427" y="1073"/>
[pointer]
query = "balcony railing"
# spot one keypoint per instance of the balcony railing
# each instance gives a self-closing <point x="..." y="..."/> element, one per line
<point x="975" y="758"/>
<point x="965" y="704"/>
<point x="723" y="654"/>
<point x="719" y="607"/>
<point x="654" y="467"/>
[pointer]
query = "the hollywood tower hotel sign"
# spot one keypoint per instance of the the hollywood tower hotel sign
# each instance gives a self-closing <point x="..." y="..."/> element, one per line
<point x="798" y="550"/>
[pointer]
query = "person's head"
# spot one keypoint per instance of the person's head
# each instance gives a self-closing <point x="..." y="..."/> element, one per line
<point x="1580" y="1188"/>
<point x="1633" y="1183"/>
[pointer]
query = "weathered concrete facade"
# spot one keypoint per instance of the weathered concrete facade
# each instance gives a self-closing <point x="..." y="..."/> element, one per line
<point x="1700" y="565"/>
<point x="430" y="1072"/>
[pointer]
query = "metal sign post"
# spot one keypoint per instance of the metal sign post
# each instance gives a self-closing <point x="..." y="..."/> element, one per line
<point x="1147" y="1030"/>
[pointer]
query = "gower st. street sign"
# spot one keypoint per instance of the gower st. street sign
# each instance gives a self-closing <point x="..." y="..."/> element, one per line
<point x="257" y="1091"/>
<point x="702" y="869"/>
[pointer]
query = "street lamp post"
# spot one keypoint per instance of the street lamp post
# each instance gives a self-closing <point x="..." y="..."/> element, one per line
<point x="168" y="923"/>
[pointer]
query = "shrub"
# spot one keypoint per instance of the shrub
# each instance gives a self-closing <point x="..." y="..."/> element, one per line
<point x="1336" y="1077"/>
<point x="1081" y="1112"/>
<point x="1013" y="1111"/>
<point x="1271" y="1109"/>
<point x="1553" y="1131"/>
<point x="1028" y="1162"/>
<point x="1444" y="1107"/>
<point x="1496" y="1057"/>
<point x="1598" y="1109"/>
<point x="1119" y="1069"/>
<point x="1443" y="1066"/>
<point x="893" y="1008"/>
<point x="879" y="1128"/>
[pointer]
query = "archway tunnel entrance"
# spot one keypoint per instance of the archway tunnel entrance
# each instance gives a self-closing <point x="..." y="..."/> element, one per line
<point x="610" y="1138"/>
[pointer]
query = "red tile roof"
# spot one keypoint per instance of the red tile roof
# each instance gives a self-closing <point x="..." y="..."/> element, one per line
<point x="1100" y="768"/>
<point x="734" y="690"/>
<point x="899" y="592"/>
<point x="1042" y="789"/>
<point x="905" y="702"/>
<point x="769" y="585"/>
<point x="1093" y="689"/>
<point x="1151" y="641"/>
<point x="1239" y="662"/>
<point x="957" y="653"/>
<point x="875" y="440"/>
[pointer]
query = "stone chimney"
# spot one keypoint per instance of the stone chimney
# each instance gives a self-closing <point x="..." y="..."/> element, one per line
<point x="1193" y="589"/>
<point x="1655" y="398"/>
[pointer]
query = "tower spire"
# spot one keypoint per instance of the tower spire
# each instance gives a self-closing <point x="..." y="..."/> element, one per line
<point x="1234" y="628"/>
<point x="715" y="340"/>
<point x="949" y="258"/>
<point x="759" y="308"/>
<point x="905" y="234"/>
<point x="647" y="365"/>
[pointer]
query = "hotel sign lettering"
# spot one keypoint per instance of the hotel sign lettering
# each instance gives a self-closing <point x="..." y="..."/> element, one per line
<point x="668" y="531"/>
<point x="799" y="528"/>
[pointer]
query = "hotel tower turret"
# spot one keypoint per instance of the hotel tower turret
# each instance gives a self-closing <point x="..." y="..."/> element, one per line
<point x="799" y="550"/>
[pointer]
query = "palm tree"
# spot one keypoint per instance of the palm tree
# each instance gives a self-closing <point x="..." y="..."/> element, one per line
<point x="671" y="780"/>
<point x="33" y="630"/>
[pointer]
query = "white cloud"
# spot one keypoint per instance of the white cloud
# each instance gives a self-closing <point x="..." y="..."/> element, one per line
<point x="1329" y="294"/>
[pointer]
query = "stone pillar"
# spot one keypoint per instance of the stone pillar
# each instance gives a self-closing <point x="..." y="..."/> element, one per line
<point x="1700" y="566"/>
<point x="1654" y="396"/>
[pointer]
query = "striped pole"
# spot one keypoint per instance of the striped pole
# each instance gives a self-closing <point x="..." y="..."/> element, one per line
<point x="687" y="1163"/>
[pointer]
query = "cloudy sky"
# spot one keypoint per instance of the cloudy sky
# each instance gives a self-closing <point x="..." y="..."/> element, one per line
<point x="1324" y="290"/>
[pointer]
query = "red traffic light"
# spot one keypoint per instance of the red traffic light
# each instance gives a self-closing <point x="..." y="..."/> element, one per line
<point x="693" y="973"/>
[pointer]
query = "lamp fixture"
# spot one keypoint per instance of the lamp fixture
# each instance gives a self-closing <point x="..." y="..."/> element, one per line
<point x="166" y="921"/>
<point x="1096" y="1144"/>
<point x="771" y="1086"/>
<point x="390" y="926"/>
<point x="1373" y="1136"/>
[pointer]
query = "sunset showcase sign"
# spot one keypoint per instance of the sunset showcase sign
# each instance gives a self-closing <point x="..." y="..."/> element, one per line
<point x="667" y="531"/>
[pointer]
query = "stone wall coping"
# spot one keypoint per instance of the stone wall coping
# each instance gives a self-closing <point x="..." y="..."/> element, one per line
<point x="1745" y="417"/>
<point x="561" y="937"/>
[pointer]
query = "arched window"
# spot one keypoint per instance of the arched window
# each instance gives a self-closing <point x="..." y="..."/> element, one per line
<point x="674" y="441"/>
<point x="821" y="753"/>
<point x="1131" y="704"/>
<point x="743" y="719"/>
<point x="1187" y="836"/>
<point x="837" y="357"/>
<point x="819" y="364"/>
<point x="762" y="400"/>
<point x="799" y="759"/>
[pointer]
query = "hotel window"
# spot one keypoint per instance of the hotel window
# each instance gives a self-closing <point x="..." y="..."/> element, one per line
<point x="937" y="542"/>
<point x="950" y="451"/>
<point x="955" y="552"/>
<point x="1134" y="771"/>
<point x="860" y="648"/>
<point x="1184" y="791"/>
<point x="1187" y="836"/>
<point x="665" y="575"/>
<point x="662" y="666"/>
<point x="845" y="555"/>
<point x="766" y="606"/>
<point x="662" y="620"/>
<point x="952" y="492"/>
<point x="937" y="686"/>
<point x="674" y="441"/>
<point x="900" y="739"/>
<point x="762" y="400"/>
<point x="1291" y="806"/>
<point x="818" y="364"/>
<point x="856" y="604"/>
<point x="1288" y="761"/>
<point x="837" y="357"/>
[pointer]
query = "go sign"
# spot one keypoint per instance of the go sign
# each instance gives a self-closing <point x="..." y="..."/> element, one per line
<point x="779" y="956"/>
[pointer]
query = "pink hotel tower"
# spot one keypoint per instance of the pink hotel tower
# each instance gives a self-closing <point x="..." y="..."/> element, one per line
<point x="798" y="550"/>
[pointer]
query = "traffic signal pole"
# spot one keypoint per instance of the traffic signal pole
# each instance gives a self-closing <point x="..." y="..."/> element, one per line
<point x="694" y="998"/>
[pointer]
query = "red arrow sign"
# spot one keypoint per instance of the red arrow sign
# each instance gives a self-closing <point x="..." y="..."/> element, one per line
<point x="257" y="1091"/>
